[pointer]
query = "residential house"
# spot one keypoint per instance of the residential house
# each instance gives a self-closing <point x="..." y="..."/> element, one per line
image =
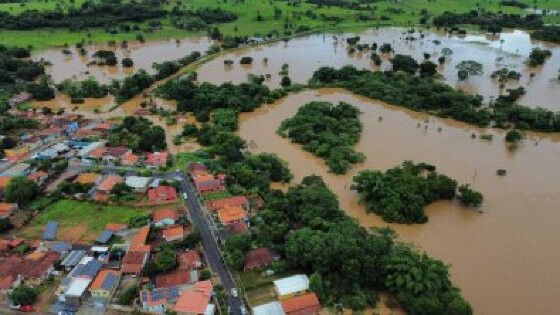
<point x="17" y="153"/>
<point x="50" y="133"/>
<point x="289" y="287"/>
<point x="61" y="247"/>
<point x="87" y="178"/>
<point x="157" y="159"/>
<point x="307" y="304"/>
<point x="97" y="154"/>
<point x="176" y="278"/>
<point x="196" y="301"/>
<point x="38" y="177"/>
<point x="258" y="258"/>
<point x="73" y="259"/>
<point x="104" y="237"/>
<point x="204" y="181"/>
<point x="129" y="159"/>
<point x="159" y="300"/>
<point x="85" y="151"/>
<point x="73" y="288"/>
<point x="7" y="209"/>
<point x="163" y="217"/>
<point x="138" y="184"/>
<point x="20" y="169"/>
<point x="116" y="228"/>
<point x="138" y="253"/>
<point x="103" y="190"/>
<point x="189" y="260"/>
<point x="30" y="270"/>
<point x="49" y="234"/>
<point x="105" y="284"/>
<point x="162" y="193"/>
<point x="234" y="201"/>
<point x="174" y="233"/>
<point x="238" y="228"/>
<point x="103" y="127"/>
<point x="229" y="215"/>
<point x="115" y="154"/>
<point x="272" y="308"/>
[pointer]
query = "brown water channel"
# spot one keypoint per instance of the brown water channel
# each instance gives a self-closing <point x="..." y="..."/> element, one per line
<point x="304" y="55"/>
<point x="504" y="259"/>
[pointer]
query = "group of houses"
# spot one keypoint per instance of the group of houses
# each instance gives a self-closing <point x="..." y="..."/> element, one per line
<point x="294" y="298"/>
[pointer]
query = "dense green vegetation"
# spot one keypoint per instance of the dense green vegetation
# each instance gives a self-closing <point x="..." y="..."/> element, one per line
<point x="138" y="134"/>
<point x="89" y="14"/>
<point x="348" y="264"/>
<point x="428" y="95"/>
<point x="204" y="98"/>
<point x="83" y="89"/>
<point x="401" y="193"/>
<point x="538" y="56"/>
<point x="21" y="190"/>
<point x="489" y="21"/>
<point x="328" y="131"/>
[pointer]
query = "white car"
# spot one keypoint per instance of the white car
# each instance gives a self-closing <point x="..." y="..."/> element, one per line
<point x="185" y="196"/>
<point x="234" y="292"/>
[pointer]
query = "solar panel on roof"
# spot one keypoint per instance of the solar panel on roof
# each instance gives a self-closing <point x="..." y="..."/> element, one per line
<point x="144" y="296"/>
<point x="50" y="230"/>
<point x="61" y="246"/>
<point x="91" y="268"/>
<point x="73" y="258"/>
<point x="109" y="281"/>
<point x="104" y="237"/>
<point x="173" y="293"/>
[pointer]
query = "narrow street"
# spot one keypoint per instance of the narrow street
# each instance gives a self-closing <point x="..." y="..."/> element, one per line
<point x="213" y="253"/>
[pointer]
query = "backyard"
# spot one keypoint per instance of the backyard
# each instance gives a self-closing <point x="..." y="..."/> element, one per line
<point x="79" y="221"/>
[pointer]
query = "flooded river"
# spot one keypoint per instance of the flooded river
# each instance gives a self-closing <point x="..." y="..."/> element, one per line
<point x="503" y="259"/>
<point x="304" y="55"/>
<point x="143" y="55"/>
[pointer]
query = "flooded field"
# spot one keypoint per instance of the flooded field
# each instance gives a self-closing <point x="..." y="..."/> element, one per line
<point x="503" y="258"/>
<point x="304" y="55"/>
<point x="142" y="54"/>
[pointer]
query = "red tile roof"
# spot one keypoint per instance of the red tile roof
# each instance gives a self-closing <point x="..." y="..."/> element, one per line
<point x="162" y="193"/>
<point x="231" y="214"/>
<point x="303" y="304"/>
<point x="161" y="214"/>
<point x="129" y="159"/>
<point x="109" y="182"/>
<point x="116" y="152"/>
<point x="239" y="227"/>
<point x="6" y="209"/>
<point x="139" y="240"/>
<point x="235" y="201"/>
<point x="36" y="176"/>
<point x="173" y="233"/>
<point x="195" y="301"/>
<point x="157" y="158"/>
<point x="258" y="258"/>
<point x="115" y="227"/>
<point x="4" y="180"/>
<point x="172" y="279"/>
<point x="134" y="261"/>
<point x="27" y="267"/>
<point x="189" y="260"/>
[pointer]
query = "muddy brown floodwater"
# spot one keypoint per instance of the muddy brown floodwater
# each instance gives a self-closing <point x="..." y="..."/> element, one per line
<point x="142" y="54"/>
<point x="504" y="259"/>
<point x="304" y="55"/>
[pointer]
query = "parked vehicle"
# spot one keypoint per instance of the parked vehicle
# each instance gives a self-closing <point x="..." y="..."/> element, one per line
<point x="234" y="292"/>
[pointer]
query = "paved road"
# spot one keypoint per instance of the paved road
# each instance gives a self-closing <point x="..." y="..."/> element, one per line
<point x="213" y="253"/>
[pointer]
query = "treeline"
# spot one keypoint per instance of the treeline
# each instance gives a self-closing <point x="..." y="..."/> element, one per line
<point x="78" y="90"/>
<point x="201" y="99"/>
<point x="194" y="20"/>
<point x="547" y="33"/>
<point x="89" y="14"/>
<point x="492" y="22"/>
<point x="14" y="69"/>
<point x="428" y="95"/>
<point x="328" y="131"/>
<point x="401" y="193"/>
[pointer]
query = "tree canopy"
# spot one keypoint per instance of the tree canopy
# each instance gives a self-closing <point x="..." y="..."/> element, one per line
<point x="401" y="193"/>
<point x="328" y="131"/>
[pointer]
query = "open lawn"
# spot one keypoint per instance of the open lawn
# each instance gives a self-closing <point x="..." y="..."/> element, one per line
<point x="296" y="16"/>
<point x="78" y="220"/>
<point x="183" y="159"/>
<point x="257" y="288"/>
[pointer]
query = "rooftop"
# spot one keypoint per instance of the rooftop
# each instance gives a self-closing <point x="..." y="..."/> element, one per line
<point x="231" y="214"/>
<point x="106" y="279"/>
<point x="4" y="180"/>
<point x="87" y="178"/>
<point x="172" y="279"/>
<point x="289" y="285"/>
<point x="173" y="232"/>
<point x="234" y="201"/>
<point x="301" y="303"/>
<point x="272" y="308"/>
<point x="109" y="182"/>
<point x="115" y="227"/>
<point x="260" y="257"/>
<point x="161" y="214"/>
<point x="162" y="193"/>
<point x="189" y="260"/>
<point x="195" y="300"/>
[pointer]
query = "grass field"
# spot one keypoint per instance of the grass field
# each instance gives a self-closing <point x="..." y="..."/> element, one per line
<point x="183" y="159"/>
<point x="79" y="220"/>
<point x="247" y="11"/>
